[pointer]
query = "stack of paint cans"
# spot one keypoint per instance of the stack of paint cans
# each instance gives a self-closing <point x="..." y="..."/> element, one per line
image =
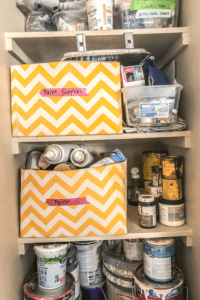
<point x="51" y="281"/>
<point x="172" y="204"/>
<point x="91" y="270"/>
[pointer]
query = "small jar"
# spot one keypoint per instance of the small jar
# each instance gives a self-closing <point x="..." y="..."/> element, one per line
<point x="172" y="213"/>
<point x="147" y="211"/>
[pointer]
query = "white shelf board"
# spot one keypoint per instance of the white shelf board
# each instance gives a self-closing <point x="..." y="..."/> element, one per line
<point x="134" y="232"/>
<point x="28" y="47"/>
<point x="176" y="138"/>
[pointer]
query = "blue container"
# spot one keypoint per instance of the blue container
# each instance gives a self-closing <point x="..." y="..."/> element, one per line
<point x="95" y="292"/>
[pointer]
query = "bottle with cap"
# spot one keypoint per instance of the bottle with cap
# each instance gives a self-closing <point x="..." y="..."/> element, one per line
<point x="81" y="157"/>
<point x="56" y="154"/>
<point x="136" y="189"/>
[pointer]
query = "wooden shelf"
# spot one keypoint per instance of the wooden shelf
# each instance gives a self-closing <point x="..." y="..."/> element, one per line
<point x="39" y="47"/>
<point x="176" y="138"/>
<point x="134" y="232"/>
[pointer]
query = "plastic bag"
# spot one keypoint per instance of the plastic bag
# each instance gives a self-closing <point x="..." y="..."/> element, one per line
<point x="39" y="22"/>
<point x="71" y="20"/>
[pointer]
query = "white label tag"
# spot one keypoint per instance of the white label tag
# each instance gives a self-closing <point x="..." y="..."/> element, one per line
<point x="153" y="13"/>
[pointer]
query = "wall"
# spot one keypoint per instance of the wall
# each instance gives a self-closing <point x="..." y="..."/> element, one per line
<point x="13" y="268"/>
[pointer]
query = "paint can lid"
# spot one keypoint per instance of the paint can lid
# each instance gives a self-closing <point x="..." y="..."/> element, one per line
<point x="50" y="248"/>
<point x="32" y="287"/>
<point x="172" y="203"/>
<point x="146" y="198"/>
<point x="140" y="278"/>
<point x="159" y="242"/>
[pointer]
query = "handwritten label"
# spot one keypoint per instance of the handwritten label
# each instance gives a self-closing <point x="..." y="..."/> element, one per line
<point x="153" y="4"/>
<point x="67" y="202"/>
<point x="65" y="92"/>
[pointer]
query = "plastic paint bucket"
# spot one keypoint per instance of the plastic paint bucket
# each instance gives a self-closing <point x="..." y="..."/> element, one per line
<point x="76" y="275"/>
<point x="146" y="289"/>
<point x="72" y="258"/>
<point x="51" y="264"/>
<point x="32" y="291"/>
<point x="159" y="259"/>
<point x="96" y="292"/>
<point x="172" y="213"/>
<point x="100" y="14"/>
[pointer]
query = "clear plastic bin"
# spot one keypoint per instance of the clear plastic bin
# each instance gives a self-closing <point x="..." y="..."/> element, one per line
<point x="154" y="18"/>
<point x="151" y="105"/>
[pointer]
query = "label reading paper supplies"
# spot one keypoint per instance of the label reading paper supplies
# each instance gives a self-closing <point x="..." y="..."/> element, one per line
<point x="153" y="4"/>
<point x="154" y="110"/>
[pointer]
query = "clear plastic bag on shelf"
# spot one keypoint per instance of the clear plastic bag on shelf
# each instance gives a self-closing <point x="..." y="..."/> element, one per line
<point x="71" y="20"/>
<point x="39" y="21"/>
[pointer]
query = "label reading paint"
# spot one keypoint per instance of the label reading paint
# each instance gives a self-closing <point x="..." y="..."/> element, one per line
<point x="65" y="92"/>
<point x="153" y="4"/>
<point x="67" y="202"/>
<point x="154" y="110"/>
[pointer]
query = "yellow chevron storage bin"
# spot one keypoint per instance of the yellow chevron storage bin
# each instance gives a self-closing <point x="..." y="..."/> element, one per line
<point x="66" y="98"/>
<point x="87" y="202"/>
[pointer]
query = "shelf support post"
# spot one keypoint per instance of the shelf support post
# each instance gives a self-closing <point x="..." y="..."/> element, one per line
<point x="129" y="42"/>
<point x="81" y="42"/>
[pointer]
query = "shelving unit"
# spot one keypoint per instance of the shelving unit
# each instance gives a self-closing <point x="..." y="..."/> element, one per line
<point x="134" y="232"/>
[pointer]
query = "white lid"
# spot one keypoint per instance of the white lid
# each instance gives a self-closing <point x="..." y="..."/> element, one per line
<point x="49" y="154"/>
<point x="160" y="242"/>
<point x="135" y="171"/>
<point x="146" y="198"/>
<point x="50" y="248"/>
<point x="79" y="156"/>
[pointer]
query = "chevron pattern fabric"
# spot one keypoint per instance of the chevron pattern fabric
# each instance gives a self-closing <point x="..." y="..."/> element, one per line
<point x="104" y="188"/>
<point x="36" y="115"/>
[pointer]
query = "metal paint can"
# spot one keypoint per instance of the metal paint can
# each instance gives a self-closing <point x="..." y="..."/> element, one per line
<point x="172" y="167"/>
<point x="96" y="292"/>
<point x="72" y="258"/>
<point x="151" y="159"/>
<point x="32" y="291"/>
<point x="115" y="292"/>
<point x="172" y="213"/>
<point x="117" y="270"/>
<point x="90" y="261"/>
<point x="76" y="275"/>
<point x="33" y="160"/>
<point x="133" y="249"/>
<point x="115" y="246"/>
<point x="146" y="187"/>
<point x="157" y="176"/>
<point x="172" y="189"/>
<point x="146" y="289"/>
<point x="51" y="264"/>
<point x="159" y="259"/>
<point x="147" y="211"/>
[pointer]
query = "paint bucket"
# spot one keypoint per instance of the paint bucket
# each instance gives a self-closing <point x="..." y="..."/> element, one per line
<point x="80" y="296"/>
<point x="115" y="292"/>
<point x="159" y="259"/>
<point x="100" y="14"/>
<point x="32" y="291"/>
<point x="72" y="258"/>
<point x="96" y="292"/>
<point x="172" y="167"/>
<point x="172" y="189"/>
<point x="118" y="271"/>
<point x="76" y="275"/>
<point x="172" y="213"/>
<point x="89" y="257"/>
<point x="51" y="264"/>
<point x="151" y="159"/>
<point x="146" y="289"/>
<point x="133" y="249"/>
<point x="115" y="246"/>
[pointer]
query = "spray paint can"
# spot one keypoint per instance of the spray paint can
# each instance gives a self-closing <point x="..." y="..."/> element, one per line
<point x="32" y="290"/>
<point x="115" y="157"/>
<point x="56" y="154"/>
<point x="81" y="157"/>
<point x="33" y="160"/>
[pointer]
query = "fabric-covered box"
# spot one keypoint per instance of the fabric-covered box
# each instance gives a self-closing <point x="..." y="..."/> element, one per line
<point x="86" y="202"/>
<point x="66" y="98"/>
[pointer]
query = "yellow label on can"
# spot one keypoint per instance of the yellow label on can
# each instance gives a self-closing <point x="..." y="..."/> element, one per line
<point x="150" y="160"/>
<point x="171" y="170"/>
<point x="172" y="189"/>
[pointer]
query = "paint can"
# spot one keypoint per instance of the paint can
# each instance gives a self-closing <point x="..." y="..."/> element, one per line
<point x="32" y="291"/>
<point x="159" y="259"/>
<point x="100" y="14"/>
<point x="96" y="292"/>
<point x="155" y="191"/>
<point x="171" y="213"/>
<point x="133" y="249"/>
<point x="146" y="187"/>
<point x="32" y="160"/>
<point x="147" y="211"/>
<point x="172" y="167"/>
<point x="81" y="158"/>
<point x="157" y="176"/>
<point x="146" y="289"/>
<point x="115" y="292"/>
<point x="151" y="159"/>
<point x="51" y="264"/>
<point x="72" y="258"/>
<point x="118" y="271"/>
<point x="76" y="275"/>
<point x="172" y="189"/>
<point x="90" y="261"/>
<point x="115" y="246"/>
